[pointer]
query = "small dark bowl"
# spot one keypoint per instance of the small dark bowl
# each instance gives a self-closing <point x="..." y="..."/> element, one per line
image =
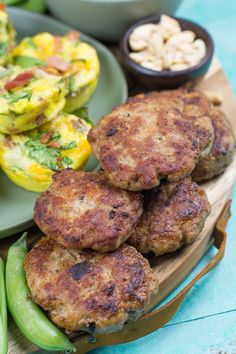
<point x="152" y="79"/>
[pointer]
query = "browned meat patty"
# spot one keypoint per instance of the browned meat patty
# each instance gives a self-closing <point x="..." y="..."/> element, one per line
<point x="166" y="98"/>
<point x="83" y="210"/>
<point x="195" y="105"/>
<point x="139" y="143"/>
<point x="222" y="151"/>
<point x="87" y="290"/>
<point x="174" y="215"/>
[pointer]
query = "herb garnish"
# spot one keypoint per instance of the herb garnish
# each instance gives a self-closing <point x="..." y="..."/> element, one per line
<point x="82" y="113"/>
<point x="27" y="62"/>
<point x="3" y="48"/>
<point x="14" y="97"/>
<point x="48" y="156"/>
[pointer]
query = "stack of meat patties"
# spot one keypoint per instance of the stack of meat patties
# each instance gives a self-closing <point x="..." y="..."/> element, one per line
<point x="88" y="273"/>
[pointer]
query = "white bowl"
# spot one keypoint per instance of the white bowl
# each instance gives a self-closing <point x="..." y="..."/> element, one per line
<point x="108" y="19"/>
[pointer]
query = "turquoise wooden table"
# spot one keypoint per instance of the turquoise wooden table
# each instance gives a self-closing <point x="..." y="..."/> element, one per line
<point x="206" y="321"/>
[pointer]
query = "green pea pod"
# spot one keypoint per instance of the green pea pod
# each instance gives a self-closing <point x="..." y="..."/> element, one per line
<point x="3" y="312"/>
<point x="32" y="322"/>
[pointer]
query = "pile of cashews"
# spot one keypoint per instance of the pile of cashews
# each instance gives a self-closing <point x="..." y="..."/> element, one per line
<point x="164" y="46"/>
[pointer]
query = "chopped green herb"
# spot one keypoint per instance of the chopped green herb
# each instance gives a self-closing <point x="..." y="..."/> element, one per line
<point x="48" y="156"/>
<point x="27" y="62"/>
<point x="71" y="145"/>
<point x="14" y="97"/>
<point x="82" y="113"/>
<point x="70" y="85"/>
<point x="59" y="83"/>
<point x="3" y="48"/>
<point x="56" y="136"/>
<point x="66" y="161"/>
<point x="44" y="155"/>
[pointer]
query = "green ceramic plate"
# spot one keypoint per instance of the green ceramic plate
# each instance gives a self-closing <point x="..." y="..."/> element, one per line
<point x="16" y="204"/>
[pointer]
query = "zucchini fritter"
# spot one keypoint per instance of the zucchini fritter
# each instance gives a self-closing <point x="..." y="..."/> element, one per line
<point x="87" y="290"/>
<point x="83" y="210"/>
<point x="174" y="215"/>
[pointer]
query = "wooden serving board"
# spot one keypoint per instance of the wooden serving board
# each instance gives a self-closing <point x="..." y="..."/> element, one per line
<point x="171" y="269"/>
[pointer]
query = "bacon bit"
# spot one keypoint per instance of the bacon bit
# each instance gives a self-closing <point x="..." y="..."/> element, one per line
<point x="53" y="144"/>
<point x="73" y="36"/>
<point x="57" y="44"/>
<point x="58" y="158"/>
<point x="2" y="7"/>
<point x="46" y="137"/>
<point x="19" y="81"/>
<point x="58" y="63"/>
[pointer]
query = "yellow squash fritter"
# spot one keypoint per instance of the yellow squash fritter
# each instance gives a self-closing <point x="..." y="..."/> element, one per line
<point x="174" y="215"/>
<point x="83" y="210"/>
<point x="87" y="290"/>
<point x="28" y="98"/>
<point x="7" y="37"/>
<point x="139" y="143"/>
<point x="67" y="55"/>
<point x="30" y="159"/>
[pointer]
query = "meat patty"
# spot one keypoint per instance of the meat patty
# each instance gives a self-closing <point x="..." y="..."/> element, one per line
<point x="174" y="215"/>
<point x="87" y="290"/>
<point x="222" y="151"/>
<point x="83" y="210"/>
<point x="166" y="98"/>
<point x="195" y="105"/>
<point x="139" y="143"/>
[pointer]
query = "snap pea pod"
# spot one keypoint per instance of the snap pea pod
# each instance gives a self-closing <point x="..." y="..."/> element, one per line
<point x="32" y="322"/>
<point x="3" y="312"/>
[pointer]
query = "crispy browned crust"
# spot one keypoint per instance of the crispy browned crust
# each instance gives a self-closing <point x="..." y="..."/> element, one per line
<point x="195" y="105"/>
<point x="173" y="216"/>
<point x="83" y="210"/>
<point x="141" y="142"/>
<point x="86" y="289"/>
<point x="197" y="108"/>
<point x="222" y="151"/>
<point x="166" y="98"/>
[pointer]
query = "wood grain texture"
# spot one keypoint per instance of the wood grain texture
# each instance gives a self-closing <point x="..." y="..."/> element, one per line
<point x="173" y="268"/>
